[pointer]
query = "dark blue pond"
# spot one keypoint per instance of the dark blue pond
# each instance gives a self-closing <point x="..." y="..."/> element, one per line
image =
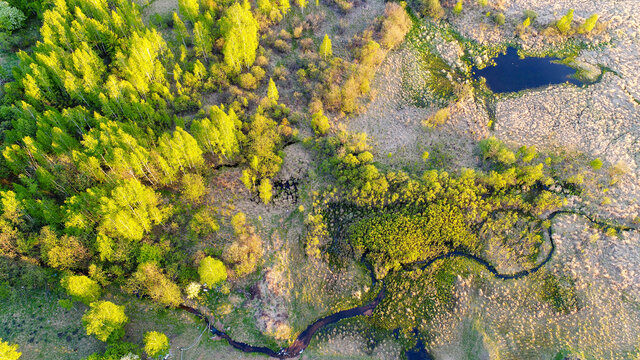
<point x="511" y="73"/>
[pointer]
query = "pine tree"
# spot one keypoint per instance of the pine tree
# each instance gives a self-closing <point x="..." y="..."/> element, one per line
<point x="272" y="91"/>
<point x="240" y="31"/>
<point x="325" y="48"/>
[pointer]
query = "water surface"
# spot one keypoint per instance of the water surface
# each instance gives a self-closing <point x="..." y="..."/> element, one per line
<point x="511" y="73"/>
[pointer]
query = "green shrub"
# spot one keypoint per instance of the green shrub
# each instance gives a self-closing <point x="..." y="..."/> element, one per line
<point x="499" y="19"/>
<point x="432" y="8"/>
<point x="247" y="81"/>
<point x="596" y="164"/>
<point x="530" y="14"/>
<point x="392" y="239"/>
<point x="439" y="118"/>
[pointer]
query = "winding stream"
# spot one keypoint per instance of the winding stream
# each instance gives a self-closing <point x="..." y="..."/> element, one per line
<point x="303" y="340"/>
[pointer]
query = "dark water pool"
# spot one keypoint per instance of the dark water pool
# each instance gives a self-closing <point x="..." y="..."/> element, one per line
<point x="511" y="73"/>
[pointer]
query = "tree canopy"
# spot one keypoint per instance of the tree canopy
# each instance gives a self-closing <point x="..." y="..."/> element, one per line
<point x="105" y="320"/>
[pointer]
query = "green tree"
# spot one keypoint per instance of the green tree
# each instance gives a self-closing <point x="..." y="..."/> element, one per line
<point x="202" y="40"/>
<point x="180" y="153"/>
<point x="320" y="123"/>
<point x="11" y="18"/>
<point x="156" y="344"/>
<point x="218" y="133"/>
<point x="189" y="8"/>
<point x="9" y="352"/>
<point x="130" y="210"/>
<point x="105" y="320"/>
<point x="272" y="91"/>
<point x="81" y="288"/>
<point x="589" y="24"/>
<point x="564" y="24"/>
<point x="325" y="48"/>
<point x="265" y="190"/>
<point x="204" y="222"/>
<point x="302" y="4"/>
<point x="180" y="29"/>
<point x="212" y="271"/>
<point x="149" y="280"/>
<point x="240" y="32"/>
<point x="193" y="188"/>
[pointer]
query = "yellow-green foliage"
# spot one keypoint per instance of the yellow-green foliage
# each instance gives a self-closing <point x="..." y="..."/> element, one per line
<point x="439" y="118"/>
<point x="495" y="150"/>
<point x="193" y="188"/>
<point x="564" y="24"/>
<point x="320" y="123"/>
<point x="212" y="271"/>
<point x="326" y="51"/>
<point x="596" y="164"/>
<point x="457" y="8"/>
<point x="432" y="8"/>
<point x="9" y="352"/>
<point x="393" y="239"/>
<point x="151" y="281"/>
<point x="204" y="222"/>
<point x="272" y="91"/>
<point x="395" y="25"/>
<point x="156" y="344"/>
<point x="240" y="31"/>
<point x="105" y="320"/>
<point x="589" y="24"/>
<point x="265" y="190"/>
<point x="81" y="288"/>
